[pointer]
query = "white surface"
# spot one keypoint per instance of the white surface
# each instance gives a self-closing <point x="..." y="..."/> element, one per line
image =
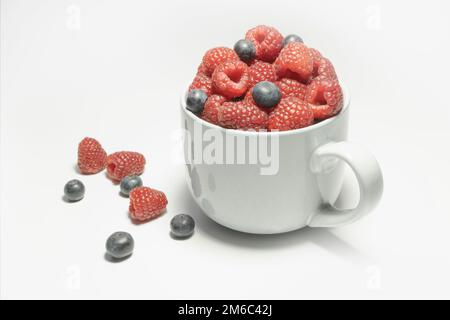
<point x="116" y="76"/>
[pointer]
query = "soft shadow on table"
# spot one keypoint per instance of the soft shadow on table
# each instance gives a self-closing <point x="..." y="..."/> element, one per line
<point x="324" y="238"/>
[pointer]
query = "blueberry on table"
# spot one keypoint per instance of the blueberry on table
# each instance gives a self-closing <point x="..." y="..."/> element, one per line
<point x="182" y="226"/>
<point x="291" y="38"/>
<point x="245" y="49"/>
<point x="74" y="190"/>
<point x="120" y="245"/>
<point x="266" y="94"/>
<point x="196" y="100"/>
<point x="129" y="183"/>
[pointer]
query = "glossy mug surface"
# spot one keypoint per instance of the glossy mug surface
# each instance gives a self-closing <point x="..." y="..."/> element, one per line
<point x="276" y="182"/>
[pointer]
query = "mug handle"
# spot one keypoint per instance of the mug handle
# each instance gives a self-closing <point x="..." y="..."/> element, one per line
<point x="367" y="172"/>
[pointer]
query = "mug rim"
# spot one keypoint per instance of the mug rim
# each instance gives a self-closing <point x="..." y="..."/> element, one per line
<point x="269" y="133"/>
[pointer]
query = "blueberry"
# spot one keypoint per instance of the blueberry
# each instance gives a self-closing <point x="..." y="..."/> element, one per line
<point x="196" y="101"/>
<point x="74" y="190"/>
<point x="291" y="38"/>
<point x="182" y="226"/>
<point x="245" y="50"/>
<point x="266" y="94"/>
<point x="120" y="245"/>
<point x="129" y="183"/>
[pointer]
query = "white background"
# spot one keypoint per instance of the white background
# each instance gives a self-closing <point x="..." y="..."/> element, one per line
<point x="114" y="69"/>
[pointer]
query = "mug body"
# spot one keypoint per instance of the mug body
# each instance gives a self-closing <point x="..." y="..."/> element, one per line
<point x="261" y="182"/>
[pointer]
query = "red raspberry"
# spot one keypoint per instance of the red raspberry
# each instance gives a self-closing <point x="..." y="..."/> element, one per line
<point x="91" y="156"/>
<point x="290" y="114"/>
<point x="326" y="69"/>
<point x="211" y="109"/>
<point x="316" y="56"/>
<point x="291" y="87"/>
<point x="201" y="69"/>
<point x="146" y="203"/>
<point x="231" y="79"/>
<point x="217" y="56"/>
<point x="203" y="82"/>
<point x="242" y="115"/>
<point x="295" y="61"/>
<point x="125" y="163"/>
<point x="325" y="96"/>
<point x="262" y="71"/>
<point x="267" y="41"/>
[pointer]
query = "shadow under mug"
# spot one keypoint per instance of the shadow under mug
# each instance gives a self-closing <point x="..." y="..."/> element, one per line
<point x="235" y="182"/>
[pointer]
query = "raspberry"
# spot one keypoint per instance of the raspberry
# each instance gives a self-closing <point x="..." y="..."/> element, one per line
<point x="262" y="71"/>
<point x="217" y="56"/>
<point x="201" y="69"/>
<point x="291" y="87"/>
<point x="146" y="203"/>
<point x="212" y="107"/>
<point x="122" y="164"/>
<point x="91" y="156"/>
<point x="202" y="82"/>
<point x="267" y="41"/>
<point x="325" y="96"/>
<point x="249" y="97"/>
<point x="295" y="62"/>
<point x="231" y="79"/>
<point x="326" y="69"/>
<point x="316" y="56"/>
<point x="290" y="114"/>
<point x="242" y="115"/>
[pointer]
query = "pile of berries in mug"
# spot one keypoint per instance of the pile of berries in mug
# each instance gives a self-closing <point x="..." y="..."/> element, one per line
<point x="267" y="83"/>
<point x="146" y="204"/>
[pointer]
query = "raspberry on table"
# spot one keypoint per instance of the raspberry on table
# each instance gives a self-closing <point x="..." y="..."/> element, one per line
<point x="262" y="71"/>
<point x="290" y="114"/>
<point x="325" y="96"/>
<point x="211" y="109"/>
<point x="231" y="79"/>
<point x="124" y="163"/>
<point x="291" y="87"/>
<point x="268" y="42"/>
<point x="295" y="62"/>
<point x="91" y="156"/>
<point x="217" y="56"/>
<point x="242" y="115"/>
<point x="202" y="82"/>
<point x="146" y="203"/>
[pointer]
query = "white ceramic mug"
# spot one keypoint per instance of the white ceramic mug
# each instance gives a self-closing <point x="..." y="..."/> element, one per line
<point x="301" y="192"/>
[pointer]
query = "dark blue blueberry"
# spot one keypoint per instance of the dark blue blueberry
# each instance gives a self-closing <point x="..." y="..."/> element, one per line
<point x="245" y="50"/>
<point x="120" y="245"/>
<point x="74" y="190"/>
<point x="266" y="94"/>
<point x="291" y="38"/>
<point x="182" y="226"/>
<point x="195" y="101"/>
<point x="129" y="183"/>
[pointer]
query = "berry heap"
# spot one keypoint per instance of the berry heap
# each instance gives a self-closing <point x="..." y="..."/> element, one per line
<point x="267" y="83"/>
